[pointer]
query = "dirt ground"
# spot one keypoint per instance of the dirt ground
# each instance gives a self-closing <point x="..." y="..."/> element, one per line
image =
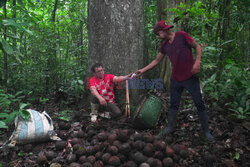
<point x="119" y="143"/>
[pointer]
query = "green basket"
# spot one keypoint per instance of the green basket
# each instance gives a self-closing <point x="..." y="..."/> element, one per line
<point x="148" y="112"/>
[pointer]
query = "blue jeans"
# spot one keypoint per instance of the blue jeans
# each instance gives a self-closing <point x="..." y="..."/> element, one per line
<point x="192" y="85"/>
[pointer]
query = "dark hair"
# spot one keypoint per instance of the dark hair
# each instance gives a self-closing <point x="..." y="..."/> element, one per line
<point x="96" y="65"/>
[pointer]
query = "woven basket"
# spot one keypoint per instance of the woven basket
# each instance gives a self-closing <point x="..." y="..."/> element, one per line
<point x="148" y="112"/>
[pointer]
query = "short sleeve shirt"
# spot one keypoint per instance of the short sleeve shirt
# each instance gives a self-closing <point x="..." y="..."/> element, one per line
<point x="104" y="87"/>
<point x="180" y="55"/>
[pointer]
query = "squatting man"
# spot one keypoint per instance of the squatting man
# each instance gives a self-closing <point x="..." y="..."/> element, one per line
<point x="101" y="87"/>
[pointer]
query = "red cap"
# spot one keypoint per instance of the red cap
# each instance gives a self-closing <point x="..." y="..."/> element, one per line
<point x="161" y="25"/>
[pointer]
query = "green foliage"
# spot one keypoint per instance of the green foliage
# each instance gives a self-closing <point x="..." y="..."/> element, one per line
<point x="237" y="156"/>
<point x="196" y="19"/>
<point x="231" y="90"/>
<point x="76" y="87"/>
<point x="23" y="154"/>
<point x="13" y="23"/>
<point x="10" y="107"/>
<point x="65" y="115"/>
<point x="44" y="100"/>
<point x="5" y="46"/>
<point x="24" y="113"/>
<point x="45" y="56"/>
<point x="1" y="3"/>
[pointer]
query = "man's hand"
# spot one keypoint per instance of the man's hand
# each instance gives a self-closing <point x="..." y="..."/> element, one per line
<point x="196" y="67"/>
<point x="102" y="101"/>
<point x="138" y="73"/>
<point x="131" y="75"/>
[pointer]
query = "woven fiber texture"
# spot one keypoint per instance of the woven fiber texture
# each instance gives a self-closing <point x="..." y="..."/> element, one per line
<point x="148" y="113"/>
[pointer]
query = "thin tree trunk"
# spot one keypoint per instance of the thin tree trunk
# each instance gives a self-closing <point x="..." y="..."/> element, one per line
<point x="14" y="32"/>
<point x="67" y="48"/>
<point x="14" y="17"/>
<point x="53" y="17"/>
<point x="5" y="54"/>
<point x="81" y="43"/>
<point x="226" y="16"/>
<point x="223" y="26"/>
<point x="51" y="78"/>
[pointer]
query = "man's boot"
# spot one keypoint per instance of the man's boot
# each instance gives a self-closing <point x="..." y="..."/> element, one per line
<point x="204" y="124"/>
<point x="94" y="112"/>
<point x="170" y="127"/>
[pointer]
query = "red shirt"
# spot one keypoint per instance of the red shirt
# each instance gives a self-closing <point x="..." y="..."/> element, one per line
<point x="104" y="87"/>
<point x="180" y="55"/>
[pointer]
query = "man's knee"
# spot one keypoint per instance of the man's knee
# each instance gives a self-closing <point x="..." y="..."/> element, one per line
<point x="200" y="105"/>
<point x="114" y="109"/>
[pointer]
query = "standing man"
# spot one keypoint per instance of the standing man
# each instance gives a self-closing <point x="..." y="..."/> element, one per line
<point x="101" y="87"/>
<point x="178" y="47"/>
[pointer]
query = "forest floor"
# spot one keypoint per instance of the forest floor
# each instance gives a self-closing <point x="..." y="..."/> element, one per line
<point x="118" y="143"/>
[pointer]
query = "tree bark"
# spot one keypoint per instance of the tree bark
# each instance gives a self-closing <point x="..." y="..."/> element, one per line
<point x="116" y="33"/>
<point x="6" y="72"/>
<point x="52" y="77"/>
<point x="53" y="17"/>
<point x="14" y="17"/>
<point x="223" y="25"/>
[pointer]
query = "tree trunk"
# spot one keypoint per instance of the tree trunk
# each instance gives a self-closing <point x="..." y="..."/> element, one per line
<point x="14" y="31"/>
<point x="116" y="33"/>
<point x="14" y="17"/>
<point x="223" y="25"/>
<point x="81" y="43"/>
<point x="52" y="74"/>
<point x="53" y="17"/>
<point x="4" y="53"/>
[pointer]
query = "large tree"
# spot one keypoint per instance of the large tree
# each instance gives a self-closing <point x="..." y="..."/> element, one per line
<point x="116" y="33"/>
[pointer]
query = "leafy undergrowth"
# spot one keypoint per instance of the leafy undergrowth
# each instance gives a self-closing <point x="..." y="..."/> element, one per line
<point x="119" y="143"/>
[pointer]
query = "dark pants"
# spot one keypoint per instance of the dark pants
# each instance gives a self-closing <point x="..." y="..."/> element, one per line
<point x="112" y="108"/>
<point x="192" y="85"/>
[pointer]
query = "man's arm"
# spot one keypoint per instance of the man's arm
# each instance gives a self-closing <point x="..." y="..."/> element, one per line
<point x="120" y="78"/>
<point x="196" y="66"/>
<point x="155" y="62"/>
<point x="95" y="93"/>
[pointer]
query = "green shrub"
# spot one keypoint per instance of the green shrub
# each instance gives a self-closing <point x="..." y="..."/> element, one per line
<point x="10" y="107"/>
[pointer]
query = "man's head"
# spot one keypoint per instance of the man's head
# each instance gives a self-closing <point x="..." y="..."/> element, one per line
<point x="98" y="70"/>
<point x="162" y="29"/>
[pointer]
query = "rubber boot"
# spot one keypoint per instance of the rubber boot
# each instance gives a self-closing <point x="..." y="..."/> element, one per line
<point x="94" y="112"/>
<point x="204" y="124"/>
<point x="170" y="127"/>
